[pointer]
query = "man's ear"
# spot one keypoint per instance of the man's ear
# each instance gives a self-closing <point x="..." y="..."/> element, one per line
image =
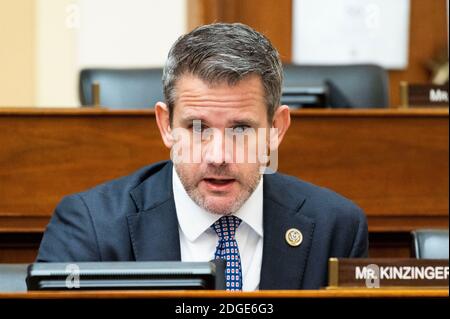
<point x="163" y="120"/>
<point x="281" y="121"/>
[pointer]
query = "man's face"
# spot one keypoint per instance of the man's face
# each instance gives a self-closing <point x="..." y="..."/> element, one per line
<point x="218" y="182"/>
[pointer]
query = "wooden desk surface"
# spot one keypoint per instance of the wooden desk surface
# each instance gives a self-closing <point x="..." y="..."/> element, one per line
<point x="335" y="293"/>
<point x="392" y="162"/>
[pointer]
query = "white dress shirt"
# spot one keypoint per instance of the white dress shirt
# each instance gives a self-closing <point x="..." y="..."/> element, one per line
<point x="198" y="241"/>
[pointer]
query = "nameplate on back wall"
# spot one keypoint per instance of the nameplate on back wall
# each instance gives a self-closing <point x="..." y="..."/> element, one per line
<point x="385" y="273"/>
<point x="427" y="95"/>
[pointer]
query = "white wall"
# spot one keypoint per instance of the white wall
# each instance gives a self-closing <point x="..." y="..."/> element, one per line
<point x="124" y="33"/>
<point x="56" y="67"/>
<point x="73" y="34"/>
<point x="351" y="31"/>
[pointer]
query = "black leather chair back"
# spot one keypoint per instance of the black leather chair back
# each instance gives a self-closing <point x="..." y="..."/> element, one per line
<point x="430" y="243"/>
<point x="350" y="86"/>
<point x="123" y="88"/>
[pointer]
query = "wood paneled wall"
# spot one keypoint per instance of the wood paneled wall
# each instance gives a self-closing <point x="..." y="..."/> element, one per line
<point x="273" y="18"/>
<point x="428" y="30"/>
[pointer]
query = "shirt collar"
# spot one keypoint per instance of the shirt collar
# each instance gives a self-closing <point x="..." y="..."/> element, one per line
<point x="194" y="220"/>
<point x="251" y="212"/>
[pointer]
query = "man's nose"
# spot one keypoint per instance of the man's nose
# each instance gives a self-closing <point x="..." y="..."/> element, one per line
<point x="215" y="150"/>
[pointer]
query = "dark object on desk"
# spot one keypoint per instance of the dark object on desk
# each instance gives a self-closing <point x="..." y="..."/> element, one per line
<point x="358" y="86"/>
<point x="327" y="95"/>
<point x="430" y="243"/>
<point x="127" y="276"/>
<point x="305" y="97"/>
<point x="122" y="88"/>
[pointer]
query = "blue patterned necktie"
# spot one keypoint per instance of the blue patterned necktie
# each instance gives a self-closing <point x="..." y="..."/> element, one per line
<point x="227" y="249"/>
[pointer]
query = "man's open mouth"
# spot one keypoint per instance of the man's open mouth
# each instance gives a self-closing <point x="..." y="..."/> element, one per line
<point x="216" y="181"/>
<point x="219" y="184"/>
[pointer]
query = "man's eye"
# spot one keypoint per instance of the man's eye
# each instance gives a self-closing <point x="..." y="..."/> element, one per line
<point x="198" y="128"/>
<point x="241" y="129"/>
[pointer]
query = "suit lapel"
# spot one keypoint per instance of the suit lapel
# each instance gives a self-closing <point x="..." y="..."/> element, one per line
<point x="283" y="266"/>
<point x="154" y="228"/>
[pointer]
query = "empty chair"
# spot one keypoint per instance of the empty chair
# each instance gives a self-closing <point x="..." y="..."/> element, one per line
<point x="349" y="86"/>
<point x="430" y="243"/>
<point x="122" y="88"/>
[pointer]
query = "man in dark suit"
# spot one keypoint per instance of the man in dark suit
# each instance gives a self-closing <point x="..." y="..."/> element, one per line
<point x="219" y="197"/>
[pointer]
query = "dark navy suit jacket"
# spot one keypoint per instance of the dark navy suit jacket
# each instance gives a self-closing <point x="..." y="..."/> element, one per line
<point x="134" y="219"/>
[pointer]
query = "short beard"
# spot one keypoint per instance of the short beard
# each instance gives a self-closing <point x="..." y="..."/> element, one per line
<point x="208" y="205"/>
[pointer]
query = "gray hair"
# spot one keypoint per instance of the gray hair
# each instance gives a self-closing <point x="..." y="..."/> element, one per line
<point x="224" y="52"/>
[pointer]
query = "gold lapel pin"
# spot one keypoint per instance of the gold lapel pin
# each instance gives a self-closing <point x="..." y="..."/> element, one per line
<point x="294" y="237"/>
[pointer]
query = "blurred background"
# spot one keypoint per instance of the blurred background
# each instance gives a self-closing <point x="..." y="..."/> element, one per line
<point x="46" y="43"/>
